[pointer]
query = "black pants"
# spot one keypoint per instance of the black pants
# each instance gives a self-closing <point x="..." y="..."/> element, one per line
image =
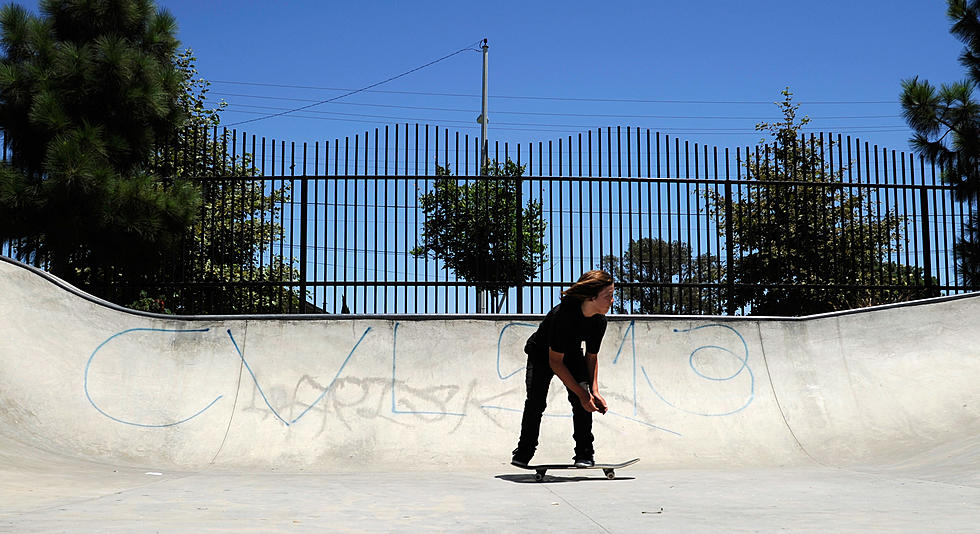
<point x="538" y="380"/>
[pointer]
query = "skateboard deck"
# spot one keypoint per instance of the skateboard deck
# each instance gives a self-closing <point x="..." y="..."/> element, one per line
<point x="608" y="469"/>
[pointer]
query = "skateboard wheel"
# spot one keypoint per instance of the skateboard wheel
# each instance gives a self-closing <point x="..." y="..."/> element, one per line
<point x="539" y="476"/>
<point x="610" y="474"/>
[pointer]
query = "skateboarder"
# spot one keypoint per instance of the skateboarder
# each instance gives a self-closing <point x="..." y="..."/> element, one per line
<point x="556" y="349"/>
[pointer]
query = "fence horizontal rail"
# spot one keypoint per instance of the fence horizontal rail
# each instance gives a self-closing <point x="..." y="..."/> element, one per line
<point x="740" y="182"/>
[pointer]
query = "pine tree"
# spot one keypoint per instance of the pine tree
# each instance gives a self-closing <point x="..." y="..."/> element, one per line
<point x="87" y="91"/>
<point x="946" y="122"/>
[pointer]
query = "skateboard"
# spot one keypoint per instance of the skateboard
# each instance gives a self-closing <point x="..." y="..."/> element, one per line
<point x="608" y="469"/>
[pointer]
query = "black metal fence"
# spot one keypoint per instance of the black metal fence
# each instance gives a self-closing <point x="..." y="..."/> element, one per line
<point x="332" y="226"/>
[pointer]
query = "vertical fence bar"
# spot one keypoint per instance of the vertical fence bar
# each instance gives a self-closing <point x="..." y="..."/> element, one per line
<point x="571" y="216"/>
<point x="879" y="237"/>
<point x="346" y="230"/>
<point x="304" y="218"/>
<point x="687" y="198"/>
<point x="905" y="208"/>
<point x="336" y="221"/>
<point x="729" y="231"/>
<point x="377" y="223"/>
<point x="716" y="269"/>
<point x="949" y="280"/>
<point x="619" y="193"/>
<point x="259" y="187"/>
<point x="561" y="215"/>
<point x="315" y="222"/>
<point x="353" y="208"/>
<point x="591" y="187"/>
<point x="407" y="230"/>
<point x="926" y="243"/>
<point x="649" y="206"/>
<point x="581" y="221"/>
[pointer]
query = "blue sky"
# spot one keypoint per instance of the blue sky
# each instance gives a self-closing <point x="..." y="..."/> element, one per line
<point x="730" y="59"/>
<point x="706" y="71"/>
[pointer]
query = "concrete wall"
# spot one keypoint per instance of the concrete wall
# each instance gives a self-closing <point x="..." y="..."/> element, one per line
<point x="87" y="379"/>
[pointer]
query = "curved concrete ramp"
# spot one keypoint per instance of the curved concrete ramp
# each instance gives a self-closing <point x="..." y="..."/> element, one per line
<point x="80" y="378"/>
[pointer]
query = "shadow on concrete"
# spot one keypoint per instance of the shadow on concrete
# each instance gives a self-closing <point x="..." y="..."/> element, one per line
<point x="552" y="479"/>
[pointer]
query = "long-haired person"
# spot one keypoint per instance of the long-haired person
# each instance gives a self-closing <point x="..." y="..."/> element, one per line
<point x="555" y="349"/>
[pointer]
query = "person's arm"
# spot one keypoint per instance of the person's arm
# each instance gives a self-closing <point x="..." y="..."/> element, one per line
<point x="562" y="372"/>
<point x="592" y="364"/>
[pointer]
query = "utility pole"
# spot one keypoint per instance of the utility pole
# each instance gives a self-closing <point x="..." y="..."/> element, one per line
<point x="484" y="148"/>
<point x="484" y="118"/>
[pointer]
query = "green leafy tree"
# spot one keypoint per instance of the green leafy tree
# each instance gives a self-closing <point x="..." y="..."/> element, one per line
<point x="472" y="226"/>
<point x="229" y="251"/>
<point x="87" y="90"/>
<point x="946" y="122"/>
<point x="801" y="243"/>
<point x="660" y="277"/>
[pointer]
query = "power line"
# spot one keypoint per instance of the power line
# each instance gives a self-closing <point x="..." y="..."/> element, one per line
<point x="324" y="115"/>
<point x="548" y="114"/>
<point x="355" y="91"/>
<point x="569" y="99"/>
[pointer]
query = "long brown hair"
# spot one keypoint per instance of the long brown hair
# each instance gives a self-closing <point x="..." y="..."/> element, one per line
<point x="589" y="285"/>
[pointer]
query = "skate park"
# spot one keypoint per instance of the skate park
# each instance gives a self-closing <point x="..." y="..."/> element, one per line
<point x="119" y="421"/>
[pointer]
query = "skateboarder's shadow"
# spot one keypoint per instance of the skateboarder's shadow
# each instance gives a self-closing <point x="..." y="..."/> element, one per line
<point x="552" y="479"/>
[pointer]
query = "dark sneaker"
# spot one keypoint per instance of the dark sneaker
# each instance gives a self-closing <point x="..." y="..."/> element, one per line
<point x="584" y="462"/>
<point x="520" y="459"/>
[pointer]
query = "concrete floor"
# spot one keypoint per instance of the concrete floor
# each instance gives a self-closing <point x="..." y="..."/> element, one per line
<point x="89" y="498"/>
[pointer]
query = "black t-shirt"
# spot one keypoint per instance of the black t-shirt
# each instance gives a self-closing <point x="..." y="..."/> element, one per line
<point x="564" y="329"/>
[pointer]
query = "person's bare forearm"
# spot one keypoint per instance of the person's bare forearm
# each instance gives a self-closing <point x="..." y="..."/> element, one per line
<point x="562" y="372"/>
<point x="592" y="364"/>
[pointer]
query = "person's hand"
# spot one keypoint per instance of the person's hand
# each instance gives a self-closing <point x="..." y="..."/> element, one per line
<point x="600" y="403"/>
<point x="586" y="398"/>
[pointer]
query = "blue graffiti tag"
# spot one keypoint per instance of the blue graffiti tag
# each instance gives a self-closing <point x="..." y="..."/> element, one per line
<point x="88" y="365"/>
<point x="394" y="360"/>
<point x="312" y="404"/>
<point x="631" y="331"/>
<point x="499" y="340"/>
<point x="241" y="356"/>
<point x="691" y="362"/>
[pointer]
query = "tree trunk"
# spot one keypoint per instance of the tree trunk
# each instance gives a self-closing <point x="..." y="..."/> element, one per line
<point x="480" y="304"/>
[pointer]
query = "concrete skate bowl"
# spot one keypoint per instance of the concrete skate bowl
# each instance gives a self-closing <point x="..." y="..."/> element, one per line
<point x="82" y="379"/>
